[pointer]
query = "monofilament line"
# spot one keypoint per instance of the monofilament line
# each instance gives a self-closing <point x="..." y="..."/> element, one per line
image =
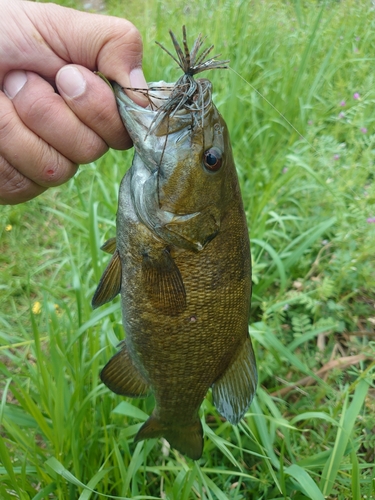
<point x="273" y="107"/>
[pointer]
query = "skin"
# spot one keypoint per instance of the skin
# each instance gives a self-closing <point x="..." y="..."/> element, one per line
<point x="55" y="113"/>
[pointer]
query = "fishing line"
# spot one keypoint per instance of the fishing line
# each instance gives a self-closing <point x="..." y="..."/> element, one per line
<point x="319" y="155"/>
<point x="277" y="111"/>
<point x="273" y="107"/>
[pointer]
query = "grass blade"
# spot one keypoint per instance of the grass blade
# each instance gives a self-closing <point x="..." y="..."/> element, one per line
<point x="347" y="421"/>
<point x="307" y="484"/>
<point x="356" y="480"/>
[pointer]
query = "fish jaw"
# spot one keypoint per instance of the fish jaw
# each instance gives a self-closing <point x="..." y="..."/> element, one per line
<point x="139" y="122"/>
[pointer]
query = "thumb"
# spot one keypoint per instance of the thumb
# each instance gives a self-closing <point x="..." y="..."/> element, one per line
<point x="107" y="44"/>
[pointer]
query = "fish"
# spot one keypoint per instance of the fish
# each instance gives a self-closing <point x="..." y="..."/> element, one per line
<point x="181" y="260"/>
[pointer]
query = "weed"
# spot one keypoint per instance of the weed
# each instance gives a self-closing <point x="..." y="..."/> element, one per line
<point x="309" y="199"/>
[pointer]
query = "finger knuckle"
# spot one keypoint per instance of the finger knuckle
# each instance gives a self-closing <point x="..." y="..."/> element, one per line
<point x="8" y="123"/>
<point x="40" y="107"/>
<point x="14" y="187"/>
<point x="56" y="169"/>
<point x="91" y="148"/>
<point x="124" y="32"/>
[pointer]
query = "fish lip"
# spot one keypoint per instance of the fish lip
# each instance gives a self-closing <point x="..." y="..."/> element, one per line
<point x="152" y="117"/>
<point x="131" y="105"/>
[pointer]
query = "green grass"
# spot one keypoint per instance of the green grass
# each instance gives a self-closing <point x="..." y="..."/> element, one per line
<point x="307" y="177"/>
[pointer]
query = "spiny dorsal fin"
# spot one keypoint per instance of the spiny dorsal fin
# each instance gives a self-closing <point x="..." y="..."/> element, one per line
<point x="109" y="246"/>
<point x="234" y="390"/>
<point x="110" y="282"/>
<point x="163" y="283"/>
<point x="122" y="377"/>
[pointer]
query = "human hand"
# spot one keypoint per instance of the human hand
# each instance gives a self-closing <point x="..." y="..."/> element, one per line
<point x="44" y="135"/>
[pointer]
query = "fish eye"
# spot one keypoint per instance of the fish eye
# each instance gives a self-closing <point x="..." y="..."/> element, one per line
<point x="212" y="159"/>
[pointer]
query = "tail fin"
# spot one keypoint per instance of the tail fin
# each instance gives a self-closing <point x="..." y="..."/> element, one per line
<point x="187" y="439"/>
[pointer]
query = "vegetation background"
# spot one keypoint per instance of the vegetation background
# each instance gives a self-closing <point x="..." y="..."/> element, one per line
<point x="303" y="134"/>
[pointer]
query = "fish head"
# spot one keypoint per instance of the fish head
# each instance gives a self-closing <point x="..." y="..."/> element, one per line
<point x="185" y="165"/>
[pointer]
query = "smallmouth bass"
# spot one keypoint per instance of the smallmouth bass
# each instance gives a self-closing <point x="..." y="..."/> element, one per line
<point x="181" y="261"/>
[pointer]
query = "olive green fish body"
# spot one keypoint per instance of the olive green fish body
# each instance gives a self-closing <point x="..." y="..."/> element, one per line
<point x="182" y="264"/>
<point x="182" y="354"/>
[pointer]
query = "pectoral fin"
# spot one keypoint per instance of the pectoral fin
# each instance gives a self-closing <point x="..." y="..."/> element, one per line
<point x="122" y="377"/>
<point x="110" y="282"/>
<point x="235" y="389"/>
<point x="163" y="282"/>
<point x="109" y="246"/>
<point x="196" y="231"/>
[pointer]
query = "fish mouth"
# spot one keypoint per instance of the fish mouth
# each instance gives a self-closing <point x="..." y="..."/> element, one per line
<point x="187" y="98"/>
<point x="172" y="107"/>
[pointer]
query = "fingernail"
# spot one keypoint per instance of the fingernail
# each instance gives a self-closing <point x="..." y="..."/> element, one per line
<point x="13" y="83"/>
<point x="137" y="79"/>
<point x="70" y="81"/>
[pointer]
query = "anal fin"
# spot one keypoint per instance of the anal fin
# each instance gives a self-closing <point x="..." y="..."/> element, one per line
<point x="163" y="282"/>
<point x="187" y="439"/>
<point x="235" y="389"/>
<point x="122" y="377"/>
<point x="110" y="282"/>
